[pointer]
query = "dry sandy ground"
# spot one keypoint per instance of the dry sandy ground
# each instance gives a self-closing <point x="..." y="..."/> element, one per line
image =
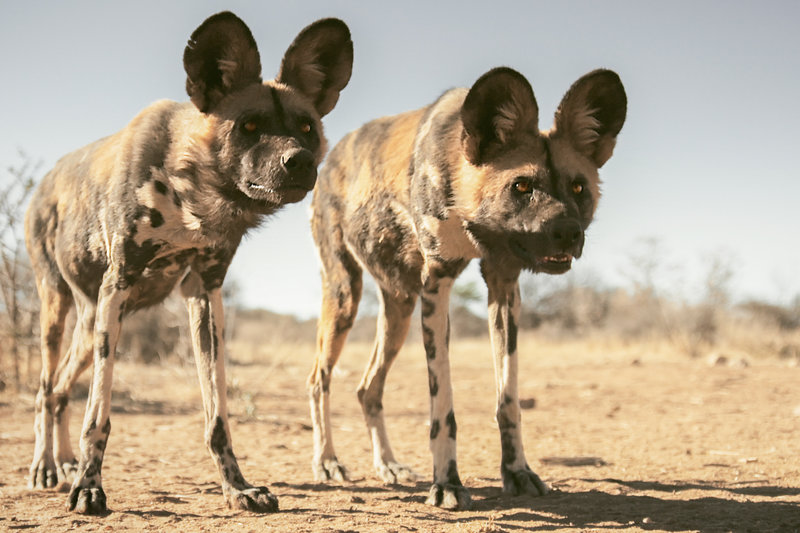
<point x="630" y="439"/>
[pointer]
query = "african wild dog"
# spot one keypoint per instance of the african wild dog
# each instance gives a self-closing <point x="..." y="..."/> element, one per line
<point x="116" y="225"/>
<point x="413" y="198"/>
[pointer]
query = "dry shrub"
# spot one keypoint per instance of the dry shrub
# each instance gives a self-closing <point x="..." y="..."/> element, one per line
<point x="555" y="310"/>
<point x="754" y="329"/>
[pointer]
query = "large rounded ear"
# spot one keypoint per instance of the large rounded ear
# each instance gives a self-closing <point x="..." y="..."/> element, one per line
<point x="220" y="58"/>
<point x="319" y="62"/>
<point x="592" y="113"/>
<point x="499" y="107"/>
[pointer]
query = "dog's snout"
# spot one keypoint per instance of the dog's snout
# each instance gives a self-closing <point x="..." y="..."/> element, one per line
<point x="297" y="160"/>
<point x="300" y="168"/>
<point x="565" y="233"/>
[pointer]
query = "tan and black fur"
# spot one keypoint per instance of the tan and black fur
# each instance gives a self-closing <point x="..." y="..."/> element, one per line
<point x="412" y="199"/>
<point x="115" y="226"/>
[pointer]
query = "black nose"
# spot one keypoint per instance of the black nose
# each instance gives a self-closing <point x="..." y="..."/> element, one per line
<point x="565" y="233"/>
<point x="297" y="161"/>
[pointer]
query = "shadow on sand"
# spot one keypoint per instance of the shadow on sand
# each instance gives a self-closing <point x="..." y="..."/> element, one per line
<point x="598" y="510"/>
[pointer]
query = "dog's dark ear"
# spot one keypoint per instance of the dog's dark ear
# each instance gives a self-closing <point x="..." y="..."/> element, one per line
<point x="319" y="63"/>
<point x="498" y="107"/>
<point x="592" y="113"/>
<point x="220" y="58"/>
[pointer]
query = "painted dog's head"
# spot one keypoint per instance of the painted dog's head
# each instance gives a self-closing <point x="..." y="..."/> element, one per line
<point x="266" y="136"/>
<point x="528" y="196"/>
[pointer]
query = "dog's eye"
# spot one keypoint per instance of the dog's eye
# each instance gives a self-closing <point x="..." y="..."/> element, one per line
<point x="250" y="126"/>
<point x="305" y="127"/>
<point x="523" y="185"/>
<point x="577" y="188"/>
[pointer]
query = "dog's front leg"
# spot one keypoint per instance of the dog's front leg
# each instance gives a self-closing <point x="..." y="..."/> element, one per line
<point x="447" y="490"/>
<point x="86" y="495"/>
<point x="504" y="311"/>
<point x="207" y="324"/>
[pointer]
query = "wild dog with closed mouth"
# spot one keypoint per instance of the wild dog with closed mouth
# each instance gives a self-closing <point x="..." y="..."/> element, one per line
<point x="412" y="199"/>
<point x="115" y="226"/>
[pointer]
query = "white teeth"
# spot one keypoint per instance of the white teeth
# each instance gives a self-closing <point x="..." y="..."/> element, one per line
<point x="257" y="187"/>
<point x="563" y="258"/>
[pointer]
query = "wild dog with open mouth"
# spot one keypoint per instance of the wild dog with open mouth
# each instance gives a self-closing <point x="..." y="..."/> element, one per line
<point x="116" y="225"/>
<point x="413" y="198"/>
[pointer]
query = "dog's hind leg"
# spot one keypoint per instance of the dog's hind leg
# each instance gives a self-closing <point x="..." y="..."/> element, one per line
<point x="393" y="322"/>
<point x="504" y="311"/>
<point x="341" y="292"/>
<point x="56" y="301"/>
<point x="78" y="359"/>
<point x="207" y="324"/>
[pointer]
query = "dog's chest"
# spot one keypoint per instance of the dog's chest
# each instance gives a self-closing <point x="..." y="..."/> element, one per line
<point x="162" y="214"/>
<point x="159" y="246"/>
<point x="446" y="239"/>
<point x="160" y="276"/>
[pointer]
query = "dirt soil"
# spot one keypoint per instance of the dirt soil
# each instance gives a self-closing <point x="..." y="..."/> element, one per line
<point x="630" y="439"/>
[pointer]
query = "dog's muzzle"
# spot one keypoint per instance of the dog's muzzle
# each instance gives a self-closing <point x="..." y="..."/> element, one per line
<point x="300" y="168"/>
<point x="284" y="180"/>
<point x="552" y="252"/>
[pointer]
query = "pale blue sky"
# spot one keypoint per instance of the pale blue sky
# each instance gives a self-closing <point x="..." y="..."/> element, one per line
<point x="706" y="162"/>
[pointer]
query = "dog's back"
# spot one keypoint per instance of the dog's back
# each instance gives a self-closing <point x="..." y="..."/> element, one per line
<point x="365" y="201"/>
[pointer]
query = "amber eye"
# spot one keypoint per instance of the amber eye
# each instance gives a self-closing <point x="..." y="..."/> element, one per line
<point x="250" y="126"/>
<point x="523" y="185"/>
<point x="577" y="188"/>
<point x="305" y="127"/>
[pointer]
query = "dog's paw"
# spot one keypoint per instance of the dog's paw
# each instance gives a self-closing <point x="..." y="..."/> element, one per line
<point x="523" y="481"/>
<point x="329" y="470"/>
<point x="43" y="474"/>
<point x="395" y="473"/>
<point x="255" y="499"/>
<point x="86" y="500"/>
<point x="448" y="496"/>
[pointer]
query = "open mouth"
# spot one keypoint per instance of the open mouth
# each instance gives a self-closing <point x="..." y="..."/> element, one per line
<point x="556" y="263"/>
<point x="253" y="186"/>
<point x="552" y="264"/>
<point x="281" y="195"/>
